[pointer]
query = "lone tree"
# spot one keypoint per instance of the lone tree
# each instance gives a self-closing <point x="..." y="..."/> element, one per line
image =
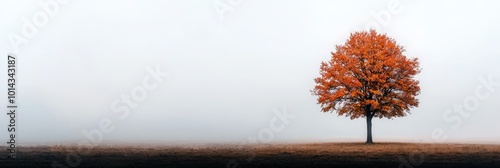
<point x="368" y="77"/>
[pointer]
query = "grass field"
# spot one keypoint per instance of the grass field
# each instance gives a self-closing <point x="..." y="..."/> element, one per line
<point x="276" y="155"/>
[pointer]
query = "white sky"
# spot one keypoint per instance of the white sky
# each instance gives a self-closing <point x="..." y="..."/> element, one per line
<point x="226" y="76"/>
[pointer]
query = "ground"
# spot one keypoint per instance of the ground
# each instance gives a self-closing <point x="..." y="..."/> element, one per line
<point x="277" y="155"/>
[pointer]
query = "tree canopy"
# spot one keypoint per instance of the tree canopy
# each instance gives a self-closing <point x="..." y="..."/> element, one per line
<point x="368" y="76"/>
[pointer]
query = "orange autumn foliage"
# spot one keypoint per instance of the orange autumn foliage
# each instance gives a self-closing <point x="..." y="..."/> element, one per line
<point x="369" y="77"/>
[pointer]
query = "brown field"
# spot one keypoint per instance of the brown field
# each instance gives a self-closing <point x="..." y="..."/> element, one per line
<point x="277" y="155"/>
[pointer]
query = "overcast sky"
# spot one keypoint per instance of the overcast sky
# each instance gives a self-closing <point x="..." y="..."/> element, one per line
<point x="232" y="65"/>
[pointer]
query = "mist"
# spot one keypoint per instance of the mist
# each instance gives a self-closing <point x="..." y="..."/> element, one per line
<point x="214" y="72"/>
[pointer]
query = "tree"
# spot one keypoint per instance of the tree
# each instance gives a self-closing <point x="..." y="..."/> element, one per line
<point x="368" y="77"/>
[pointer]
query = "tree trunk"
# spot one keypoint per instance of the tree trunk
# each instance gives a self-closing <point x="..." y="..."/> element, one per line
<point x="369" y="129"/>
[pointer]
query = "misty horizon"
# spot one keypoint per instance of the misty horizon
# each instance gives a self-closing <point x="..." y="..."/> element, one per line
<point x="178" y="72"/>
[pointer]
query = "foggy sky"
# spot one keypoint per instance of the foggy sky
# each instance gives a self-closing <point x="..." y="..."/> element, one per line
<point x="227" y="76"/>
